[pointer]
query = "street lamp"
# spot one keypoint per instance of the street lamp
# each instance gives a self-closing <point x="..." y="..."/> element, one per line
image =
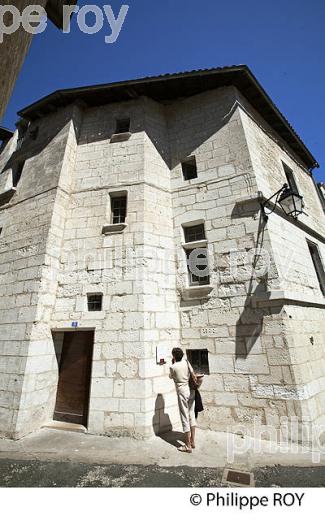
<point x="290" y="201"/>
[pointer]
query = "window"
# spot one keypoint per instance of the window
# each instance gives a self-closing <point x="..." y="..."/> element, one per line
<point x="95" y="302"/>
<point x="290" y="179"/>
<point x="194" y="233"/>
<point x="122" y="126"/>
<point x="196" y="257"/>
<point x="320" y="188"/>
<point x="118" y="205"/>
<point x="189" y="169"/>
<point x="1" y="231"/>
<point x="197" y="266"/>
<point x="318" y="265"/>
<point x="199" y="360"/>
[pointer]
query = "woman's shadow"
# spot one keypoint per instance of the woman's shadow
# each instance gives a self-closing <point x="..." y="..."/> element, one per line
<point x="162" y="425"/>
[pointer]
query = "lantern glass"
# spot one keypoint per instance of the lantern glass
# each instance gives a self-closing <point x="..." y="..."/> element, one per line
<point x="291" y="203"/>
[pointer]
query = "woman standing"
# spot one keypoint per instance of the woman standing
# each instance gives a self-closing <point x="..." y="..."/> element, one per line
<point x="180" y="372"/>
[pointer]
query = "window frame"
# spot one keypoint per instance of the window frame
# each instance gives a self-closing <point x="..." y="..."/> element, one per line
<point x="189" y="168"/>
<point x="94" y="302"/>
<point x="119" y="218"/>
<point x="122" y="125"/>
<point x="195" y="239"/>
<point x="193" y="279"/>
<point x="196" y="233"/>
<point x="318" y="264"/>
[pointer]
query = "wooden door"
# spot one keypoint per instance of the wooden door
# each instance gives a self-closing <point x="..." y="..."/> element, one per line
<point x="72" y="400"/>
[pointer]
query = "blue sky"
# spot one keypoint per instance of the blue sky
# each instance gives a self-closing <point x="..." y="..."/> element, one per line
<point x="282" y="41"/>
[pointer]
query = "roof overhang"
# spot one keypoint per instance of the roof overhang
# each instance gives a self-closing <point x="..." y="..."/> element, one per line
<point x="54" y="9"/>
<point x="172" y="86"/>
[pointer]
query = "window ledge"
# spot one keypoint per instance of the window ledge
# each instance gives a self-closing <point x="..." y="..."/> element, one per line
<point x="196" y="292"/>
<point x="120" y="138"/>
<point x="194" y="245"/>
<point x="287" y="298"/>
<point x="113" y="229"/>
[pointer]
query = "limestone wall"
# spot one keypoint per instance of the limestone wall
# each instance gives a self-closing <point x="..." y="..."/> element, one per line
<point x="53" y="252"/>
<point x="210" y="127"/>
<point x="30" y="246"/>
<point x="301" y="350"/>
<point x="134" y="270"/>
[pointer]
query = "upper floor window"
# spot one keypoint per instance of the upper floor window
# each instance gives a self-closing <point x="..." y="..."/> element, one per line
<point x="196" y="255"/>
<point x="197" y="266"/>
<point x="320" y="189"/>
<point x="290" y="179"/>
<point x="194" y="233"/>
<point x="118" y="207"/>
<point x="95" y="302"/>
<point x="318" y="265"/>
<point x="189" y="168"/>
<point x="122" y="126"/>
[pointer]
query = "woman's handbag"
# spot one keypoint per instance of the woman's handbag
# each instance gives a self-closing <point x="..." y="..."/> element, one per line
<point x="194" y="381"/>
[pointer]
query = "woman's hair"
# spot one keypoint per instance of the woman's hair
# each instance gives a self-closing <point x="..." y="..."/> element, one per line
<point x="177" y="354"/>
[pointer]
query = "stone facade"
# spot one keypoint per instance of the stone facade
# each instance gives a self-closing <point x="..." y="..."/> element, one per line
<point x="262" y="318"/>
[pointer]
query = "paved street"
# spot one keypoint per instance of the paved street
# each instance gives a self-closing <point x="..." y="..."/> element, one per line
<point x="72" y="474"/>
<point x="52" y="458"/>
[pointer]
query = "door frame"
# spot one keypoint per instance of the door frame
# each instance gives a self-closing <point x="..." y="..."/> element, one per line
<point x="73" y="330"/>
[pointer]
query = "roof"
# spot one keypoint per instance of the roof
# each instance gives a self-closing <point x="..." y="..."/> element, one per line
<point x="54" y="9"/>
<point x="172" y="86"/>
<point x="5" y="134"/>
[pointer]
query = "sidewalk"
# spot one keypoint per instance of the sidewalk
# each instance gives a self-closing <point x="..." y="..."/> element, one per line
<point x="212" y="451"/>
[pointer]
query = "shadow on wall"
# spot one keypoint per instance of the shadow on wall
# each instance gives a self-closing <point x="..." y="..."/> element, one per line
<point x="162" y="425"/>
<point x="161" y="422"/>
<point x="224" y="106"/>
<point x="33" y="144"/>
<point x="250" y="323"/>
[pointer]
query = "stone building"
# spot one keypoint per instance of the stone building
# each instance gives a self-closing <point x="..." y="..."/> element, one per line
<point x="15" y="46"/>
<point x="105" y="195"/>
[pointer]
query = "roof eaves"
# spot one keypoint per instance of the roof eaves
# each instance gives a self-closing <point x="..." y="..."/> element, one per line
<point x="5" y="133"/>
<point x="271" y="113"/>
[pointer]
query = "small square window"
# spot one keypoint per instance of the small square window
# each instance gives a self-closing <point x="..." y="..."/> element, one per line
<point x="122" y="126"/>
<point x="199" y="359"/>
<point x="189" y="169"/>
<point x="95" y="302"/>
<point x="318" y="265"/>
<point x="194" y="233"/>
<point x="118" y="205"/>
<point x="198" y="267"/>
